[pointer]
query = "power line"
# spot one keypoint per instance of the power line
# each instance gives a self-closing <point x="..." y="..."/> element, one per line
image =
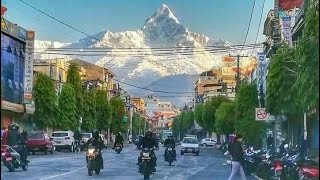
<point x="245" y="39"/>
<point x="147" y="89"/>
<point x="48" y="15"/>
<point x="262" y="9"/>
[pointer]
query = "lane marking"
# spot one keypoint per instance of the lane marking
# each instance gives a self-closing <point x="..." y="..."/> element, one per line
<point x="70" y="172"/>
<point x="50" y="177"/>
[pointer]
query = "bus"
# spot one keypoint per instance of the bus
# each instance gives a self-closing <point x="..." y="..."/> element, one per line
<point x="164" y="135"/>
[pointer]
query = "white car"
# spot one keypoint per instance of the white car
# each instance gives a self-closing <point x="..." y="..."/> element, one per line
<point x="105" y="141"/>
<point x="85" y="138"/>
<point x="190" y="145"/>
<point x="207" y="142"/>
<point x="63" y="140"/>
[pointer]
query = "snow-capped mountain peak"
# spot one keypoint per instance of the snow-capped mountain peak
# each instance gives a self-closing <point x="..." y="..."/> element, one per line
<point x="163" y="13"/>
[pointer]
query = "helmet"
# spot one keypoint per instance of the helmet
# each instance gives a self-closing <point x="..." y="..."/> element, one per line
<point x="119" y="133"/>
<point x="148" y="133"/>
<point x="95" y="133"/>
<point x="14" y="126"/>
<point x="170" y="136"/>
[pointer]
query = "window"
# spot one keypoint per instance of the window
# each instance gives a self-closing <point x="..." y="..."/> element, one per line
<point x="60" y="134"/>
<point x="36" y="136"/>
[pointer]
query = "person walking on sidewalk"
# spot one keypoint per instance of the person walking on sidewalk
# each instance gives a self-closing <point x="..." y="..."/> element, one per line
<point x="237" y="154"/>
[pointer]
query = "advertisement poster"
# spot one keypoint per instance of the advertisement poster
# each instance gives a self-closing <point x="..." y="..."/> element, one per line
<point x="28" y="79"/>
<point x="286" y="29"/>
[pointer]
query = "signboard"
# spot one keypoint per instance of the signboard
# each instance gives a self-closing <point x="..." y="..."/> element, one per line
<point x="262" y="115"/>
<point x="13" y="30"/>
<point x="286" y="29"/>
<point x="28" y="68"/>
<point x="228" y="65"/>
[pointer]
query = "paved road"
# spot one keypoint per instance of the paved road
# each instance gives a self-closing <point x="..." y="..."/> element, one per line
<point x="69" y="166"/>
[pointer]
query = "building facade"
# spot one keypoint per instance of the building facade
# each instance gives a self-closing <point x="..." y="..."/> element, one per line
<point x="16" y="67"/>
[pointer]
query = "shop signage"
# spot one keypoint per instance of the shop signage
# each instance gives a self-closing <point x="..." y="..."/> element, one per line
<point x="29" y="67"/>
<point x="12" y="106"/>
<point x="13" y="30"/>
<point x="286" y="29"/>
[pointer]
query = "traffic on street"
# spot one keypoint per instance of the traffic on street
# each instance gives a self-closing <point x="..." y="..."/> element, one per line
<point x="69" y="166"/>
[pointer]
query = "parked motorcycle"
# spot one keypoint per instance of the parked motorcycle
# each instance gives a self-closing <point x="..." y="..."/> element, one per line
<point x="93" y="163"/>
<point x="11" y="159"/>
<point x="146" y="166"/>
<point x="169" y="155"/>
<point x="118" y="148"/>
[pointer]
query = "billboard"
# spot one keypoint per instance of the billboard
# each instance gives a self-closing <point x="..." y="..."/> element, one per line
<point x="228" y="65"/>
<point x="28" y="75"/>
<point x="13" y="30"/>
<point x="290" y="4"/>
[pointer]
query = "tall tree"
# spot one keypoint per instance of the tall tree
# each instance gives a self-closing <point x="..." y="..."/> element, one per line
<point x="308" y="58"/>
<point x="137" y="123"/>
<point x="103" y="110"/>
<point x="198" y="114"/>
<point x="118" y="111"/>
<point x="45" y="99"/>
<point x="225" y="118"/>
<point x="245" y="103"/>
<point x="281" y="96"/>
<point x="89" y="120"/>
<point x="209" y="111"/>
<point x="74" y="78"/>
<point x="67" y="109"/>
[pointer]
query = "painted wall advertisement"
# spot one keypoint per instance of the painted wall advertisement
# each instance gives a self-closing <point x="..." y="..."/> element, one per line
<point x="29" y="68"/>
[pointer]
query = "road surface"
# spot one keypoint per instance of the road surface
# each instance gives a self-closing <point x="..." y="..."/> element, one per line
<point x="68" y="166"/>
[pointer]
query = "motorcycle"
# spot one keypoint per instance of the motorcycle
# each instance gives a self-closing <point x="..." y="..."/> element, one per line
<point x="118" y="148"/>
<point x="169" y="155"/>
<point x="77" y="148"/>
<point x="146" y="166"/>
<point x="93" y="163"/>
<point x="11" y="159"/>
<point x="307" y="169"/>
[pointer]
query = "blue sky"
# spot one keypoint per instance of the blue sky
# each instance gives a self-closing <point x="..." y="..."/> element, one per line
<point x="225" y="19"/>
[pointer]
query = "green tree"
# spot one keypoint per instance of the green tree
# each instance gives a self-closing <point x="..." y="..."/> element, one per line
<point x="103" y="110"/>
<point x="225" y="115"/>
<point x="118" y="111"/>
<point x="198" y="114"/>
<point x="89" y="120"/>
<point x="281" y="96"/>
<point x="209" y="111"/>
<point x="74" y="78"/>
<point x="45" y="99"/>
<point x="245" y="103"/>
<point x="67" y="109"/>
<point x="308" y="58"/>
<point x="137" y="123"/>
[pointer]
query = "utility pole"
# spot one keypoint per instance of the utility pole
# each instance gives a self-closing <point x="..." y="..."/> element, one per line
<point x="238" y="69"/>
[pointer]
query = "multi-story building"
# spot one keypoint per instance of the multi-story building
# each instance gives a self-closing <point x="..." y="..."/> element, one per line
<point x="57" y="69"/>
<point x="211" y="83"/>
<point x="98" y="75"/>
<point x="160" y="113"/>
<point x="16" y="73"/>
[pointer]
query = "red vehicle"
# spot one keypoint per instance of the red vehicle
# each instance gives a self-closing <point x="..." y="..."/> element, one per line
<point x="39" y="141"/>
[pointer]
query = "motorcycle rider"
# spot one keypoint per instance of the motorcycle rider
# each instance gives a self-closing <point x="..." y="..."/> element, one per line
<point x="77" y="137"/>
<point x="148" y="142"/>
<point x="118" y="140"/>
<point x="16" y="141"/>
<point x="169" y="142"/>
<point x="97" y="142"/>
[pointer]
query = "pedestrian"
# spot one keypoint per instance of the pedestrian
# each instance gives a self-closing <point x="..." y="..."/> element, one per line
<point x="237" y="153"/>
<point x="269" y="141"/>
<point x="2" y="131"/>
